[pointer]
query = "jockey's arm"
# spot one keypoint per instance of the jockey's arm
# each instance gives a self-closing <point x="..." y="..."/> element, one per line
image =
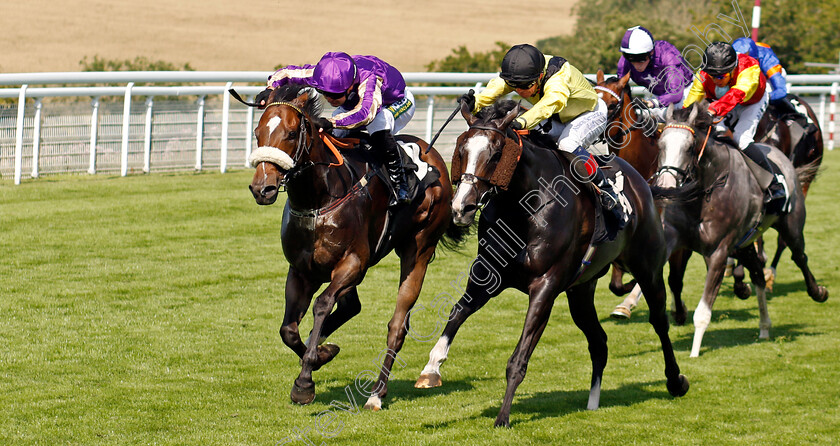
<point x="495" y="89"/>
<point x="696" y="92"/>
<point x="745" y="86"/>
<point x="369" y="104"/>
<point x="554" y="99"/>
<point x="291" y="74"/>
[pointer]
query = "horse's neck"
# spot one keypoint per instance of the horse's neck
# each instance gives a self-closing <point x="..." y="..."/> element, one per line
<point x="320" y="183"/>
<point x="715" y="161"/>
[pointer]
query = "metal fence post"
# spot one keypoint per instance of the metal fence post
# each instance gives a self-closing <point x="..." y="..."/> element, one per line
<point x="225" y="123"/>
<point x="822" y="111"/>
<point x="36" y="138"/>
<point x="19" y="132"/>
<point x="125" y="129"/>
<point x="430" y="118"/>
<point x="147" y="140"/>
<point x="199" y="133"/>
<point x="94" y="127"/>
<point x="249" y="134"/>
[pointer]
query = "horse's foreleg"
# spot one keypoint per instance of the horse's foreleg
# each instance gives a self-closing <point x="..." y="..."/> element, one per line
<point x="475" y="296"/>
<point x="582" y="308"/>
<point x="678" y="263"/>
<point x="346" y="308"/>
<point x="299" y="291"/>
<point x="715" y="264"/>
<point x="345" y="276"/>
<point x="413" y="268"/>
<point x="539" y="310"/>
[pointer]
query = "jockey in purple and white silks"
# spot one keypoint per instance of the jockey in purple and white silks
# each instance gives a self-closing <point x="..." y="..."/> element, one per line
<point x="368" y="94"/>
<point x="656" y="65"/>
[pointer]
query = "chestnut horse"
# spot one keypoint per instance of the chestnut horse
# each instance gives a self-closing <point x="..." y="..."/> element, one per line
<point x="336" y="225"/>
<point x="546" y="248"/>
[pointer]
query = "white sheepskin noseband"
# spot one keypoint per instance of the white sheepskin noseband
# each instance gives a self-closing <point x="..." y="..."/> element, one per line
<point x="272" y="155"/>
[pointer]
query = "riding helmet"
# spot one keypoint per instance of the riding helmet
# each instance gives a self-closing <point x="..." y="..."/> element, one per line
<point x="720" y="59"/>
<point x="522" y="63"/>
<point x="637" y="40"/>
<point x="334" y="73"/>
<point x="745" y="45"/>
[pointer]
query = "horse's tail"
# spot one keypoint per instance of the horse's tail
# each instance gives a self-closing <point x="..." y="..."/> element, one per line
<point x="455" y="236"/>
<point x="807" y="173"/>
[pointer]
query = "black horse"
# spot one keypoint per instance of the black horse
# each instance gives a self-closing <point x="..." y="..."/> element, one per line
<point x="713" y="205"/>
<point x="535" y="235"/>
<point x="336" y="226"/>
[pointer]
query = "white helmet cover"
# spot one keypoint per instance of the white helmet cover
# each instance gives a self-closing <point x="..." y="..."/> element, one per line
<point x="637" y="40"/>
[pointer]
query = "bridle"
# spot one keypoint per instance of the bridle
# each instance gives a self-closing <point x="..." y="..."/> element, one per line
<point x="472" y="179"/>
<point x="682" y="175"/>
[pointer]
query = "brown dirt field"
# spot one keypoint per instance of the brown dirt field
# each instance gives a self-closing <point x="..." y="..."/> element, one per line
<point x="50" y="35"/>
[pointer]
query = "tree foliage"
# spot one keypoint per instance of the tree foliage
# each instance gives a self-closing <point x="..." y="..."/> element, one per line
<point x="462" y="61"/>
<point x="139" y="63"/>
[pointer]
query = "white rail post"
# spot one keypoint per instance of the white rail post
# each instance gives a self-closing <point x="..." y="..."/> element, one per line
<point x="36" y="138"/>
<point x="94" y="128"/>
<point x="19" y="132"/>
<point x="822" y="111"/>
<point x="199" y="133"/>
<point x="249" y="133"/>
<point x="831" y="109"/>
<point x="147" y="137"/>
<point x="430" y="118"/>
<point x="225" y="123"/>
<point x="125" y="129"/>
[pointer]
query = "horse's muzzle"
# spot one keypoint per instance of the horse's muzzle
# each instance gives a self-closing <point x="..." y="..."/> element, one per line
<point x="264" y="195"/>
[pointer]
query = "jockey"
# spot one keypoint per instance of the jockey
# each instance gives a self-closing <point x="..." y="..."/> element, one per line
<point x="656" y="65"/>
<point x="772" y="69"/>
<point x="566" y="108"/>
<point x="369" y="95"/>
<point x="736" y="87"/>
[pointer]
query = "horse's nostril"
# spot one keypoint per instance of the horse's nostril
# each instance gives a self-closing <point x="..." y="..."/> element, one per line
<point x="268" y="191"/>
<point x="468" y="209"/>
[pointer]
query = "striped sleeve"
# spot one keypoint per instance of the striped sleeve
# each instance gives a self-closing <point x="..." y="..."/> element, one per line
<point x="370" y="102"/>
<point x="291" y="74"/>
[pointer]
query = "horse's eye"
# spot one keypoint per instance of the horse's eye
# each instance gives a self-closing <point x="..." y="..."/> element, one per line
<point x="293" y="134"/>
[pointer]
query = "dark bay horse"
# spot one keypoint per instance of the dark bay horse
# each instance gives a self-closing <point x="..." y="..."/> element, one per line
<point x="633" y="139"/>
<point x="713" y="205"/>
<point x="535" y="234"/>
<point x="335" y="226"/>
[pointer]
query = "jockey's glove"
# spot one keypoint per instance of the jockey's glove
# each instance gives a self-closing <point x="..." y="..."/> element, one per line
<point x="468" y="98"/>
<point x="517" y="124"/>
<point x="325" y="124"/>
<point x="262" y="98"/>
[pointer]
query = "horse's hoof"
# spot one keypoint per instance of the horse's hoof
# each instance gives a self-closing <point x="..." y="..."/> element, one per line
<point x="742" y="291"/>
<point x="679" y="317"/>
<point x="302" y="395"/>
<point x="822" y="294"/>
<point x="374" y="403"/>
<point x="679" y="388"/>
<point x="326" y="353"/>
<point x="769" y="279"/>
<point x="763" y="333"/>
<point x="428" y="380"/>
<point x="502" y="422"/>
<point x="621" y="312"/>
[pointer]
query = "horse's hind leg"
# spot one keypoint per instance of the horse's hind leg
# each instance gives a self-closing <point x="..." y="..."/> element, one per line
<point x="539" y="310"/>
<point x="654" y="290"/>
<point x="413" y="266"/>
<point x="791" y="228"/>
<point x="749" y="257"/>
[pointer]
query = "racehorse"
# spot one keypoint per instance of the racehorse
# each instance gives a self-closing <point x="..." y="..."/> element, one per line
<point x="803" y="149"/>
<point x="713" y="205"/>
<point x="336" y="225"/>
<point x="634" y="139"/>
<point x="545" y="248"/>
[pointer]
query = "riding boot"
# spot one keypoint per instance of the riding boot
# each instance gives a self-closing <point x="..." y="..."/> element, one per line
<point x="389" y="151"/>
<point x="775" y="195"/>
<point x="608" y="196"/>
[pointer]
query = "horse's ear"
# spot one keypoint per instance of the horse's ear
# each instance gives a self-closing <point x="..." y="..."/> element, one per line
<point x="510" y="117"/>
<point x="693" y="115"/>
<point x="467" y="113"/>
<point x="669" y="113"/>
<point x="300" y="101"/>
<point x="599" y="76"/>
<point x="624" y="80"/>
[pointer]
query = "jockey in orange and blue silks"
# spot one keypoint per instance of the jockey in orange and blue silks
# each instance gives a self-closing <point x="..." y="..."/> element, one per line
<point x="737" y="88"/>
<point x="369" y="95"/>
<point x="566" y="108"/>
<point x="656" y="65"/>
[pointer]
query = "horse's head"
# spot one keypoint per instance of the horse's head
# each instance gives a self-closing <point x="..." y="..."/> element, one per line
<point x="613" y="92"/>
<point x="481" y="159"/>
<point x="678" y="146"/>
<point x="284" y="139"/>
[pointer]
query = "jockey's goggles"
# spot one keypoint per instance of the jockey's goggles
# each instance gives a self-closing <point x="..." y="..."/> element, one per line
<point x="637" y="57"/>
<point x="720" y="76"/>
<point x="521" y="85"/>
<point x="333" y="96"/>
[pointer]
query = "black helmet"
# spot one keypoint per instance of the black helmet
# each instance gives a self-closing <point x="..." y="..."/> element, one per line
<point x="522" y="63"/>
<point x="720" y="59"/>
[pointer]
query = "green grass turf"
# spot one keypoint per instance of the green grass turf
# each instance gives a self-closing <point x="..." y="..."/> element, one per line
<point x="145" y="310"/>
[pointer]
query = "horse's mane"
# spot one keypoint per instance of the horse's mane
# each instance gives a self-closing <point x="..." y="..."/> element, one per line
<point x="495" y="111"/>
<point x="614" y="79"/>
<point x="289" y="92"/>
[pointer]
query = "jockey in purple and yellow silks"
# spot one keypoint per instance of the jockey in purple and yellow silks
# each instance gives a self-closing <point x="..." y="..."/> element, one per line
<point x="656" y="65"/>
<point x="566" y="108"/>
<point x="737" y="88"/>
<point x="369" y="95"/>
